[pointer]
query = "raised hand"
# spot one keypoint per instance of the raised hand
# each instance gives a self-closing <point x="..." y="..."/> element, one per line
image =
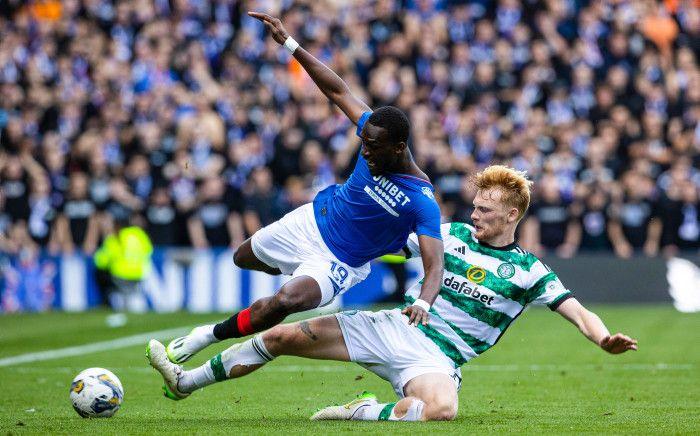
<point x="618" y="343"/>
<point x="274" y="25"/>
<point x="327" y="81"/>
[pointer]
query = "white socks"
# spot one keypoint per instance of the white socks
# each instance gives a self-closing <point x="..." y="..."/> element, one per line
<point x="205" y="334"/>
<point x="195" y="379"/>
<point x="250" y="352"/>
<point x="385" y="412"/>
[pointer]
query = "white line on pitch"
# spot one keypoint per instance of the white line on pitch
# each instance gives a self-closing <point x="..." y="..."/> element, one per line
<point x="94" y="347"/>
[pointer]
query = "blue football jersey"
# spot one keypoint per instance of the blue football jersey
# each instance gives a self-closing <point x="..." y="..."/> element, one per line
<point x="369" y="216"/>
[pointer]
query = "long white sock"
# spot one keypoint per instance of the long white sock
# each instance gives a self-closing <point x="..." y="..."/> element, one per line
<point x="196" y="378"/>
<point x="385" y="412"/>
<point x="250" y="352"/>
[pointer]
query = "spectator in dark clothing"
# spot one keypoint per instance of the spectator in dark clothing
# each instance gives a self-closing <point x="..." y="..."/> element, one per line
<point x="285" y="162"/>
<point x="681" y="218"/>
<point x="76" y="225"/>
<point x="591" y="221"/>
<point x="161" y="218"/>
<point x="262" y="202"/>
<point x="549" y="227"/>
<point x="15" y="185"/>
<point x="214" y="224"/>
<point x="688" y="218"/>
<point x="634" y="224"/>
<point x="42" y="217"/>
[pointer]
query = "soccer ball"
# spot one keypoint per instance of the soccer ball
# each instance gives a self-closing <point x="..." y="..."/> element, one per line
<point x="96" y="393"/>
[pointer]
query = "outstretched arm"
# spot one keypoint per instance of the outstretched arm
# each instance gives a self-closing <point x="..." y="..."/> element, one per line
<point x="328" y="82"/>
<point x="593" y="328"/>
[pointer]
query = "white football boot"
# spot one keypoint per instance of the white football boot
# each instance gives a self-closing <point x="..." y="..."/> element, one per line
<point x="346" y="411"/>
<point x="182" y="349"/>
<point x="158" y="358"/>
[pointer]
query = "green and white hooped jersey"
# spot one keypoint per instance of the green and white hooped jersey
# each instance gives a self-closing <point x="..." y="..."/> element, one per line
<point x="483" y="290"/>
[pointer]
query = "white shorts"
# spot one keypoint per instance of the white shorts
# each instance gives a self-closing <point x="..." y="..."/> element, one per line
<point x="294" y="246"/>
<point x="385" y="344"/>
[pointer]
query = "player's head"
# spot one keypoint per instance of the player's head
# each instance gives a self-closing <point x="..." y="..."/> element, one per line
<point x="384" y="138"/>
<point x="502" y="198"/>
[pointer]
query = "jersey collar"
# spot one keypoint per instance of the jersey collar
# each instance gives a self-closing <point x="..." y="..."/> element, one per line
<point x="508" y="247"/>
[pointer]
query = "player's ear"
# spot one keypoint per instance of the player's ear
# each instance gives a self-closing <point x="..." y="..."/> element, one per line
<point x="400" y="147"/>
<point x="513" y="215"/>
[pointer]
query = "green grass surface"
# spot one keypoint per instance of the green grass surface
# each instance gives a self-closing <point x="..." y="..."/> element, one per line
<point x="542" y="377"/>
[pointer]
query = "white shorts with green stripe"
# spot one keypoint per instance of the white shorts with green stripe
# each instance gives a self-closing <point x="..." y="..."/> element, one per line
<point x="385" y="344"/>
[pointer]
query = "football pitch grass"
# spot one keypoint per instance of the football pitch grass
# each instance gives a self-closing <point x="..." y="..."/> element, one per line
<point x="542" y="377"/>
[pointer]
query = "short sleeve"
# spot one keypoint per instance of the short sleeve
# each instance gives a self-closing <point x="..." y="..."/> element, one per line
<point x="361" y="122"/>
<point x="548" y="289"/>
<point x="428" y="220"/>
<point x="412" y="248"/>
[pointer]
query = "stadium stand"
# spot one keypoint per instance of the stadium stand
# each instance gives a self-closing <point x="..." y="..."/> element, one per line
<point x="184" y="115"/>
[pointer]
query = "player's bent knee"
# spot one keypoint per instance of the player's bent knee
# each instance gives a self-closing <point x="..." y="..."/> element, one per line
<point x="293" y="300"/>
<point x="289" y="302"/>
<point x="440" y="411"/>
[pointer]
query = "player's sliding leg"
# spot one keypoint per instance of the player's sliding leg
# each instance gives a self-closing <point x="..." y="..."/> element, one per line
<point x="429" y="397"/>
<point x="180" y="350"/>
<point x="292" y="246"/>
<point x="318" y="338"/>
<point x="299" y="294"/>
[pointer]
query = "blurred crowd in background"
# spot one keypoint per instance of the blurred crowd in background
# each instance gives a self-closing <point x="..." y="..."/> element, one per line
<point x="184" y="117"/>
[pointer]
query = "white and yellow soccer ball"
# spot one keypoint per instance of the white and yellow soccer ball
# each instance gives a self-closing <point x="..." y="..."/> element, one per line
<point x="96" y="393"/>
